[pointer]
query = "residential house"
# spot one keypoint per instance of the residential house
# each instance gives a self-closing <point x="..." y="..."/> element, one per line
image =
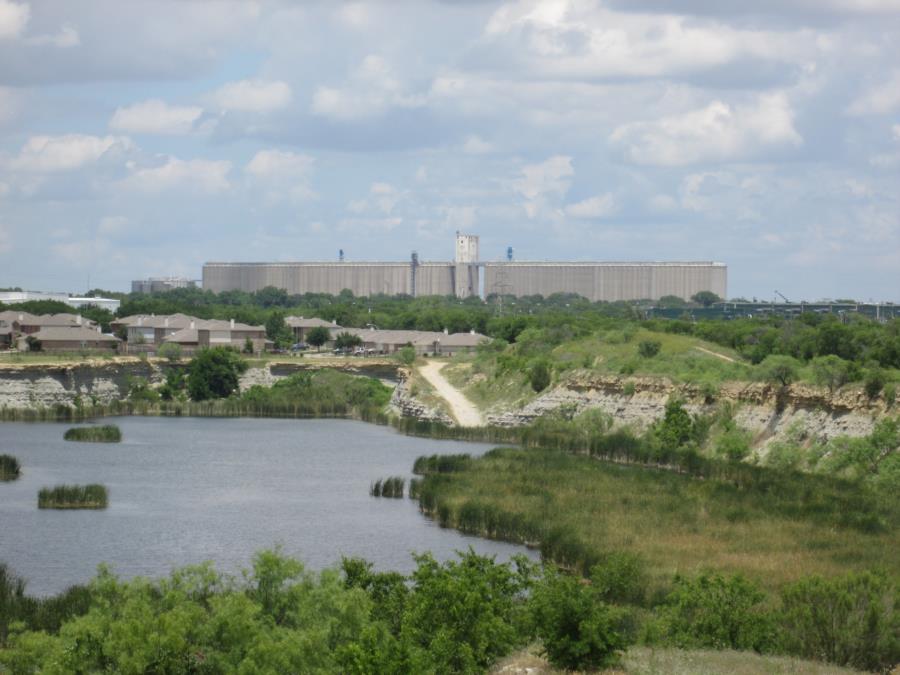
<point x="215" y="333"/>
<point x="301" y="326"/>
<point x="69" y="338"/>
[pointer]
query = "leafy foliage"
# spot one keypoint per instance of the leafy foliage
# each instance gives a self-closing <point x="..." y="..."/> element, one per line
<point x="579" y="630"/>
<point x="214" y="373"/>
<point x="852" y="620"/>
<point x="318" y="336"/>
<point x="719" y="612"/>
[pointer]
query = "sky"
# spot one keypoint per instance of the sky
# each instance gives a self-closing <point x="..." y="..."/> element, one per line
<point x="144" y="138"/>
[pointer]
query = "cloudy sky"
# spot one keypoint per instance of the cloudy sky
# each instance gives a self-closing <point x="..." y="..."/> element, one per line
<point x="143" y="138"/>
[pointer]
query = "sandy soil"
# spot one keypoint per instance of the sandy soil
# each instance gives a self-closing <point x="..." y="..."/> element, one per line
<point x="465" y="412"/>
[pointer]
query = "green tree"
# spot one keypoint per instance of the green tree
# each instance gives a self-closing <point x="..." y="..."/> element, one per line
<point x="318" y="336"/>
<point x="214" y="373"/>
<point x="831" y="371"/>
<point x="676" y="427"/>
<point x="277" y="330"/>
<point x="779" y="368"/>
<point x="578" y="630"/>
<point x="346" y="340"/>
<point x="705" y="298"/>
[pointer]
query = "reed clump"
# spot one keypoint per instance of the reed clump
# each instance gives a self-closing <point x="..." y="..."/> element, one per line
<point x="9" y="468"/>
<point x="428" y="464"/>
<point x="391" y="487"/>
<point x="107" y="433"/>
<point x="92" y="496"/>
<point x="415" y="487"/>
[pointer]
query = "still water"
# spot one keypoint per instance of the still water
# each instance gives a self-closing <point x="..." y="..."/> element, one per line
<point x="185" y="490"/>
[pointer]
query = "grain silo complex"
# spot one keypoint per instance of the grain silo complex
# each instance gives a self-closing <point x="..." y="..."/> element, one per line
<point x="466" y="276"/>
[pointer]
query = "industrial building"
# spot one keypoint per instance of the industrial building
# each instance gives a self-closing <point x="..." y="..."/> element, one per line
<point x="467" y="276"/>
<point x="161" y="284"/>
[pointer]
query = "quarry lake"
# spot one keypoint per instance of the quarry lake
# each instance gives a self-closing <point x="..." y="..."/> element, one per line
<point x="185" y="490"/>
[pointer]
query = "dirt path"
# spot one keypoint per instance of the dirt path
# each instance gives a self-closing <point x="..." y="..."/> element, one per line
<point x="716" y="354"/>
<point x="462" y="408"/>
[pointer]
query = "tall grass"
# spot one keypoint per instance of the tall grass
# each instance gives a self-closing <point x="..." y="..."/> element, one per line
<point x="441" y="463"/>
<point x="108" y="433"/>
<point x="92" y="496"/>
<point x="391" y="487"/>
<point x="46" y="614"/>
<point x="576" y="509"/>
<point x="9" y="468"/>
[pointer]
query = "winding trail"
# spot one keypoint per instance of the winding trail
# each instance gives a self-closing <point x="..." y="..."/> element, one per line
<point x="716" y="354"/>
<point x="465" y="412"/>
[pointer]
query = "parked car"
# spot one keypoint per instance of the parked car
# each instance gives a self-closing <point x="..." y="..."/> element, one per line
<point x="299" y="346"/>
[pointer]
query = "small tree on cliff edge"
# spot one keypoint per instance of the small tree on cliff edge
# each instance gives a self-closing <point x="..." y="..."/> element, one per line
<point x="214" y="373"/>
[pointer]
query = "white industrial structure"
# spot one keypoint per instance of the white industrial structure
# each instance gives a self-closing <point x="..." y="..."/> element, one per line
<point x="466" y="277"/>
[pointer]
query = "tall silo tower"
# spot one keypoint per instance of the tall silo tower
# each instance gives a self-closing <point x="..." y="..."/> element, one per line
<point x="466" y="277"/>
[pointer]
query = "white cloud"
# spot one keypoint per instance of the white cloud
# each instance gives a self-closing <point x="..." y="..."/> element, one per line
<point x="382" y="198"/>
<point x="66" y="37"/>
<point x="279" y="163"/>
<point x="195" y="174"/>
<point x="155" y="117"/>
<point x="879" y="99"/>
<point x="542" y="182"/>
<point x="63" y="153"/>
<point x="477" y="146"/>
<point x="372" y="89"/>
<point x="282" y="174"/>
<point x="13" y="18"/>
<point x="593" y="207"/>
<point x="257" y="96"/>
<point x="717" y="132"/>
<point x="548" y="177"/>
<point x="585" y="39"/>
<point x="896" y="130"/>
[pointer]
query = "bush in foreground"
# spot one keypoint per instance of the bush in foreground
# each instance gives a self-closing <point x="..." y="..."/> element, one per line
<point x="92" y="496"/>
<point x="108" y="433"/>
<point x="9" y="467"/>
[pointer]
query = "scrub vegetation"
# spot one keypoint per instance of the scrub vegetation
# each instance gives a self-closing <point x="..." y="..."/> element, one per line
<point x="9" y="468"/>
<point x="461" y="616"/>
<point x="92" y="496"/>
<point x="107" y="433"/>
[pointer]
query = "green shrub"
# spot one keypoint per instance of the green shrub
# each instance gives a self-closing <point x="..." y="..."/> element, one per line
<point x="628" y="389"/>
<point x="406" y="355"/>
<point x="620" y="578"/>
<point x="578" y="630"/>
<point x="716" y="612"/>
<point x="649" y="348"/>
<point x="852" y="620"/>
<point x="890" y="394"/>
<point x="92" y="496"/>
<point x="9" y="467"/>
<point x="874" y="382"/>
<point x="734" y="444"/>
<point x="463" y="615"/>
<point x="539" y="376"/>
<point x="171" y="351"/>
<point x="107" y="433"/>
<point x="214" y="373"/>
